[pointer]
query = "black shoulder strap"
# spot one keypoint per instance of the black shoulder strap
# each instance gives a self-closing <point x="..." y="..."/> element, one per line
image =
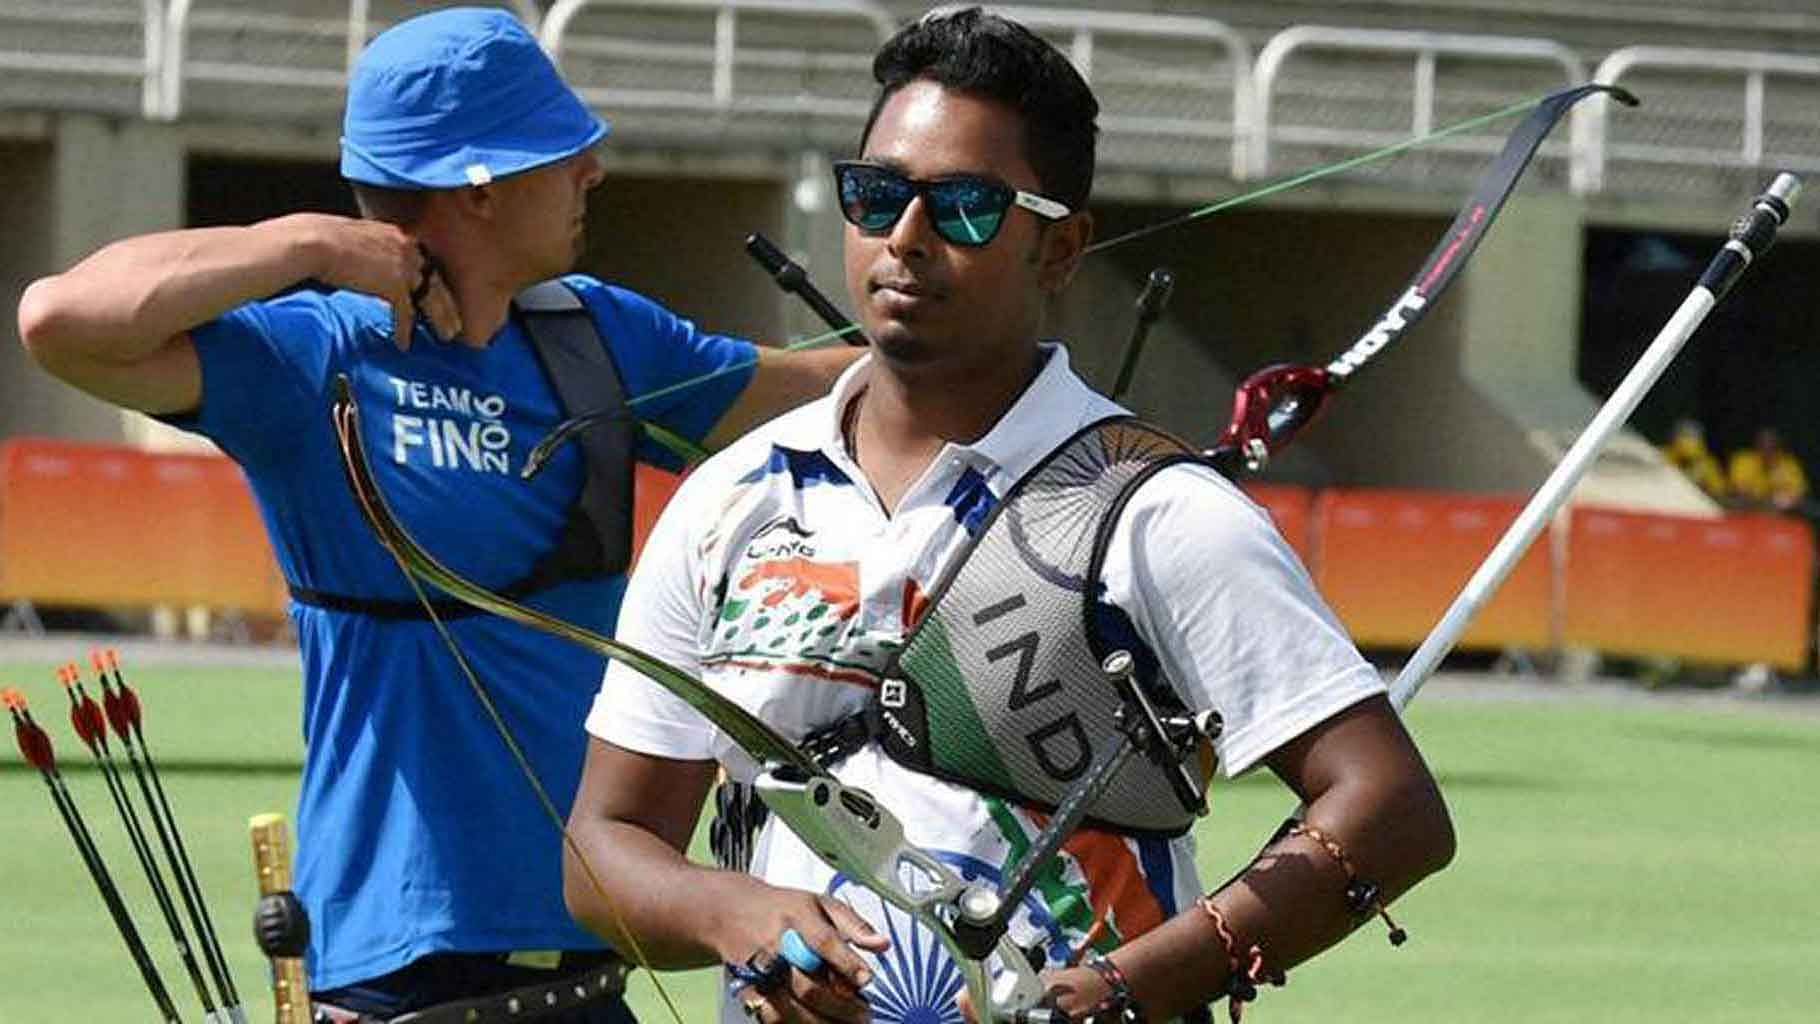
<point x="597" y="539"/>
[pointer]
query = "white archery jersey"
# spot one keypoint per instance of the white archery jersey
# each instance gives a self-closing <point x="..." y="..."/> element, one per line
<point x="776" y="577"/>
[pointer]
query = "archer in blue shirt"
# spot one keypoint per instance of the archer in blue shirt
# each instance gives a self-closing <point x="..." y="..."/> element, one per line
<point x="429" y="870"/>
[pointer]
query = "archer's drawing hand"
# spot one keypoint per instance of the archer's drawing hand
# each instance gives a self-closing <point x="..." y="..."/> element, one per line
<point x="830" y="928"/>
<point x="381" y="260"/>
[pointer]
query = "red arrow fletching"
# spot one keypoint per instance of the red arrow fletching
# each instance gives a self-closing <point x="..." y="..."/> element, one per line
<point x="119" y="713"/>
<point x="92" y="718"/>
<point x="80" y="719"/>
<point x="131" y="700"/>
<point x="33" y="743"/>
<point x="123" y="711"/>
<point x="84" y="715"/>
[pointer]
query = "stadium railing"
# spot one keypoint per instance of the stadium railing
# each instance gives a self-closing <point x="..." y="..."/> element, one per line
<point x="1377" y="87"/>
<point x="1708" y="108"/>
<point x="1173" y="89"/>
<point x="285" y="58"/>
<point x="720" y="71"/>
<point x="94" y="57"/>
<point x="1182" y="95"/>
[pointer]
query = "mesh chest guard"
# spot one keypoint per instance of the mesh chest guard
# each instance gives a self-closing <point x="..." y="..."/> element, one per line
<point x="999" y="685"/>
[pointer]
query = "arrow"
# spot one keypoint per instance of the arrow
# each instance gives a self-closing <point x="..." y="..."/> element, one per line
<point x="91" y="729"/>
<point x="125" y="715"/>
<point x="36" y="747"/>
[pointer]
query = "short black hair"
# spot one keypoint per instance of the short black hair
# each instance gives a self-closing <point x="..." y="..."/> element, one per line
<point x="982" y="54"/>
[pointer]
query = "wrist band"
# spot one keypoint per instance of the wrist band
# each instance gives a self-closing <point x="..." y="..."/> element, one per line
<point x="1118" y="1004"/>
<point x="1363" y="897"/>
<point x="1246" y="968"/>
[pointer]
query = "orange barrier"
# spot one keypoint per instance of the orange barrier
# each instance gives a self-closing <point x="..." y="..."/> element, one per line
<point x="1390" y="562"/>
<point x="110" y="525"/>
<point x="1292" y="509"/>
<point x="652" y="489"/>
<point x="1732" y="591"/>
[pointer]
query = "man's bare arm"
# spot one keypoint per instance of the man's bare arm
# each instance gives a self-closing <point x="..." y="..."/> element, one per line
<point x="1365" y="786"/>
<point x="781" y="381"/>
<point x="633" y="817"/>
<point x="115" y="325"/>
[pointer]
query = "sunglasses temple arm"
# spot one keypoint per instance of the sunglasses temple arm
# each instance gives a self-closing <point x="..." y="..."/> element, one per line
<point x="791" y="277"/>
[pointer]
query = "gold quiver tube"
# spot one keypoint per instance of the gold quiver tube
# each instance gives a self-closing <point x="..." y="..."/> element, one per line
<point x="272" y="866"/>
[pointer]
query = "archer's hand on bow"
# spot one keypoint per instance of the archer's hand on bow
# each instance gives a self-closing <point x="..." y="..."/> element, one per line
<point x="831" y="929"/>
<point x="1073" y="990"/>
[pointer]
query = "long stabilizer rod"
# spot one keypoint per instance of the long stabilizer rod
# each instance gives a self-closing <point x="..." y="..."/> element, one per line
<point x="1751" y="237"/>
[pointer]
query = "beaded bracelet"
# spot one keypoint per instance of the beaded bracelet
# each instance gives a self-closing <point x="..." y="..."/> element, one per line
<point x="1364" y="898"/>
<point x="1246" y="969"/>
<point x="1118" y="1005"/>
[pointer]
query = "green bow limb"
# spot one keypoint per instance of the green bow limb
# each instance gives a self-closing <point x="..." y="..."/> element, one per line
<point x="751" y="733"/>
<point x="844" y="826"/>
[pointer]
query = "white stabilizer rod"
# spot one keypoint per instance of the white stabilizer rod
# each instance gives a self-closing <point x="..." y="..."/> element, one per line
<point x="1610" y="417"/>
<point x="1549" y="499"/>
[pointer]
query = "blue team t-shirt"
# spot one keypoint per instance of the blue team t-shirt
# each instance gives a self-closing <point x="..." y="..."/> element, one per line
<point x="417" y="833"/>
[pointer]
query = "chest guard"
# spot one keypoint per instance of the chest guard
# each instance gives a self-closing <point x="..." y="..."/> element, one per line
<point x="999" y="685"/>
<point x="596" y="538"/>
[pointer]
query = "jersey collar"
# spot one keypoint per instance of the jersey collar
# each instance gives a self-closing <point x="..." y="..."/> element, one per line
<point x="1055" y="405"/>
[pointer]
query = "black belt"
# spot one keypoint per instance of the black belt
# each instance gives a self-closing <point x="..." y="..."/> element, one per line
<point x="380" y="608"/>
<point x="398" y="611"/>
<point x="597" y="984"/>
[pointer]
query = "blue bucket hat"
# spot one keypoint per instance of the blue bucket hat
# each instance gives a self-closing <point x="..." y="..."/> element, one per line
<point x="458" y="97"/>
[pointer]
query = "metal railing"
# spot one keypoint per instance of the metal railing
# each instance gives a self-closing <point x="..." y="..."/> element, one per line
<point x="718" y="53"/>
<point x="144" y="68"/>
<point x="1749" y="70"/>
<point x="176" y="67"/>
<point x="1090" y="34"/>
<point x="1425" y="48"/>
<point x="1171" y="87"/>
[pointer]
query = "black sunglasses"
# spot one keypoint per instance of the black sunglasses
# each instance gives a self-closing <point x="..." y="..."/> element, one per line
<point x="966" y="209"/>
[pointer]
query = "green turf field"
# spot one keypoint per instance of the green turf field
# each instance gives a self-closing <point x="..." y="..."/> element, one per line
<point x="1619" y="862"/>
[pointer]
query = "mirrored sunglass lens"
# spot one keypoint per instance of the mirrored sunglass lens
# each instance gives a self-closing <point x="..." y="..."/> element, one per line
<point x="967" y="212"/>
<point x="873" y="199"/>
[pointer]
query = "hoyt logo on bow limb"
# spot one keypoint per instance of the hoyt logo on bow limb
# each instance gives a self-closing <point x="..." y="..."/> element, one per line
<point x="476" y="440"/>
<point x="1405" y="309"/>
